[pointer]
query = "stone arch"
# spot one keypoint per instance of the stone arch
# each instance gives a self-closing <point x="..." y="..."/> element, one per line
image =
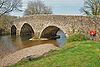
<point x="50" y="31"/>
<point x="13" y="30"/>
<point x="26" y="30"/>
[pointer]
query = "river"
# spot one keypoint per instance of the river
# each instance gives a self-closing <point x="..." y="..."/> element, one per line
<point x="10" y="44"/>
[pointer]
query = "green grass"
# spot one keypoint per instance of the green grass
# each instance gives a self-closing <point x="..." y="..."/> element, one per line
<point x="74" y="54"/>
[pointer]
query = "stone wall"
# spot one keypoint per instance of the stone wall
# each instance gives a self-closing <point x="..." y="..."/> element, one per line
<point x="68" y="24"/>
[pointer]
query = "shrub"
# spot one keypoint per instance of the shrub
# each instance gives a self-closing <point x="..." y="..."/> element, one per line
<point x="78" y="37"/>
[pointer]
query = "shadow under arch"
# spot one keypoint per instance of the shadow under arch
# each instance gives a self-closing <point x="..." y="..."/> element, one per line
<point x="51" y="32"/>
<point x="13" y="30"/>
<point x="27" y="31"/>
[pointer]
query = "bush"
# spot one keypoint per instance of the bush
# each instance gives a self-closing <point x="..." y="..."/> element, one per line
<point x="77" y="37"/>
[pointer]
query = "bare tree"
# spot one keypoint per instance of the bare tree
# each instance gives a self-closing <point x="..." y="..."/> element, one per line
<point x="7" y="6"/>
<point x="91" y="7"/>
<point x="37" y="7"/>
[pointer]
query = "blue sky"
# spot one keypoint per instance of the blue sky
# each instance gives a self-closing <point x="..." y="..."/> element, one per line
<point x="62" y="7"/>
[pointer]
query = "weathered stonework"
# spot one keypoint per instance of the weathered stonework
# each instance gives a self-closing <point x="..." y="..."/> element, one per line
<point x="68" y="24"/>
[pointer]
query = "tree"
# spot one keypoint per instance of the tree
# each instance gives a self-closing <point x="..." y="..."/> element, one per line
<point x="7" y="6"/>
<point x="91" y="7"/>
<point x="37" y="7"/>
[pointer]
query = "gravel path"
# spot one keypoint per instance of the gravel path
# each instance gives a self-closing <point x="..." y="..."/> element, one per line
<point x="35" y="51"/>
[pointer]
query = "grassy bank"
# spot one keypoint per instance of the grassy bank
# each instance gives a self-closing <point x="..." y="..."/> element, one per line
<point x="74" y="54"/>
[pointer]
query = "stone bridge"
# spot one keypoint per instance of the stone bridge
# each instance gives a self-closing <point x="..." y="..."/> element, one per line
<point x="44" y="25"/>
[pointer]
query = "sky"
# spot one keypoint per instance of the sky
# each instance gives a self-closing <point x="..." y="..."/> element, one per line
<point x="59" y="7"/>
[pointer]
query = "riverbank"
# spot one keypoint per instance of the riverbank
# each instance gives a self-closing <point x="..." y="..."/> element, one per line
<point x="74" y="54"/>
<point x="31" y="52"/>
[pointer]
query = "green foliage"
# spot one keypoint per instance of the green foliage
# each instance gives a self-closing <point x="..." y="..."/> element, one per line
<point x="78" y="37"/>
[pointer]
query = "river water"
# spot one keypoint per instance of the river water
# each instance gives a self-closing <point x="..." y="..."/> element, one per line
<point x="10" y="44"/>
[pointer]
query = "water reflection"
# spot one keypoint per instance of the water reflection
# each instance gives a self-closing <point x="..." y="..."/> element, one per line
<point x="62" y="38"/>
<point x="10" y="44"/>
